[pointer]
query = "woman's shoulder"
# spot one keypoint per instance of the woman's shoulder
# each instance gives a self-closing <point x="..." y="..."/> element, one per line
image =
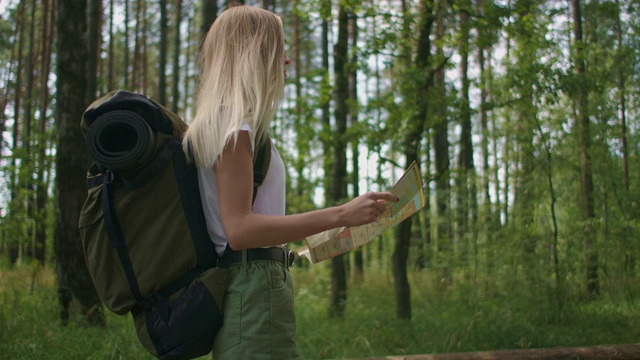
<point x="246" y="126"/>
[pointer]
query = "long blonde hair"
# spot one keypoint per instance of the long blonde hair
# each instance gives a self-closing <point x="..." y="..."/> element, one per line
<point x="242" y="80"/>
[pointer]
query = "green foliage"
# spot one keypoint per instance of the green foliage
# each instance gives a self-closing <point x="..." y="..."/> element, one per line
<point x="462" y="318"/>
<point x="505" y="295"/>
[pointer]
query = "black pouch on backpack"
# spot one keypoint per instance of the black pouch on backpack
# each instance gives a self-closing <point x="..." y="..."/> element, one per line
<point x="183" y="325"/>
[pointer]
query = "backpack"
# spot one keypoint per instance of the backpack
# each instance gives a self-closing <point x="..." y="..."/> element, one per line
<point x="143" y="229"/>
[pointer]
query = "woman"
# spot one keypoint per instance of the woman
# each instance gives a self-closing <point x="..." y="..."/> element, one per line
<point x="243" y="71"/>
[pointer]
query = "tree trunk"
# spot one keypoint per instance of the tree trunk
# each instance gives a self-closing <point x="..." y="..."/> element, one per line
<point x="138" y="65"/>
<point x="465" y="159"/>
<point x="110" y="62"/>
<point x="43" y="163"/>
<point x="93" y="39"/>
<point x="630" y="256"/>
<point x="125" y="72"/>
<point x="26" y="159"/>
<point x="15" y="206"/>
<point x="268" y="4"/>
<point x="186" y="81"/>
<point x="339" y="168"/>
<point x="144" y="49"/>
<point x="415" y="129"/>
<point x="617" y="352"/>
<point x="586" y="178"/>
<point x="176" y="59"/>
<point x="355" y="143"/>
<point x="524" y="188"/>
<point x="209" y="15"/>
<point x="442" y="164"/>
<point x="72" y="162"/>
<point x="161" y="93"/>
<point x="325" y="88"/>
<point x="622" y="110"/>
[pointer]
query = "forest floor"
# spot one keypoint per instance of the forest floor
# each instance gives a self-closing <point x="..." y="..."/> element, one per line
<point x="459" y="318"/>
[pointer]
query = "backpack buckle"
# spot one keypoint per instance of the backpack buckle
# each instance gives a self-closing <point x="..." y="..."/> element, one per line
<point x="109" y="176"/>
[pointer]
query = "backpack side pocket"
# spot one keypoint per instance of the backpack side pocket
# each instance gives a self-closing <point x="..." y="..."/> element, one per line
<point x="185" y="324"/>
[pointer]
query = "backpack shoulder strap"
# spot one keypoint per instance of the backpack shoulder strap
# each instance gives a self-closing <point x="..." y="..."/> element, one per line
<point x="261" y="163"/>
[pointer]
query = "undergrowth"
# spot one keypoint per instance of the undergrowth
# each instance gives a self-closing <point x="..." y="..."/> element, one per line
<point x="458" y="318"/>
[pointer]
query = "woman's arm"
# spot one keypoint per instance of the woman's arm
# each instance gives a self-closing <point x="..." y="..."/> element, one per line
<point x="244" y="229"/>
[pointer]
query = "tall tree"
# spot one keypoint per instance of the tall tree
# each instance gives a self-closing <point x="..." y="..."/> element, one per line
<point x="27" y="163"/>
<point x="125" y="72"/>
<point x="42" y="142"/>
<point x="93" y="37"/>
<point x="71" y="162"/>
<point x="161" y="93"/>
<point x="630" y="257"/>
<point x="338" y="187"/>
<point x="465" y="178"/>
<point x="209" y="15"/>
<point x="325" y="91"/>
<point x="15" y="203"/>
<point x="527" y="32"/>
<point x="138" y="68"/>
<point x="110" y="59"/>
<point x="354" y="108"/>
<point x="483" y="49"/>
<point x="268" y="4"/>
<point x="621" y="98"/>
<point x="441" y="150"/>
<point x="421" y="72"/>
<point x="186" y="82"/>
<point x="584" y="140"/>
<point x="176" y="58"/>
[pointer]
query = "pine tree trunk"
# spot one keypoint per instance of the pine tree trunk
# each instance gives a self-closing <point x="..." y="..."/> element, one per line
<point x="15" y="204"/>
<point x="161" y="93"/>
<point x="110" y="62"/>
<point x="187" y="73"/>
<point x="93" y="38"/>
<point x="355" y="143"/>
<point x="465" y="159"/>
<point x="325" y="116"/>
<point x="602" y="352"/>
<point x="138" y="65"/>
<point x="586" y="178"/>
<point x="26" y="161"/>
<point x="622" y="109"/>
<point x="630" y="257"/>
<point x="125" y="72"/>
<point x="442" y="164"/>
<point x="339" y="166"/>
<point x="209" y="15"/>
<point x="524" y="188"/>
<point x="43" y="164"/>
<point x="72" y="162"/>
<point x="176" y="59"/>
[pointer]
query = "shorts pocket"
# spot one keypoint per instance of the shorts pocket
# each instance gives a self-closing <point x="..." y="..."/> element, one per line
<point x="282" y="316"/>
<point x="278" y="277"/>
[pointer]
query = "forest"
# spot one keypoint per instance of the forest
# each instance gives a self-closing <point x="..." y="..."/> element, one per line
<point x="522" y="114"/>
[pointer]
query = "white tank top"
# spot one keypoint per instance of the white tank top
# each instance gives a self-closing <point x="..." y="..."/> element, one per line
<point x="270" y="198"/>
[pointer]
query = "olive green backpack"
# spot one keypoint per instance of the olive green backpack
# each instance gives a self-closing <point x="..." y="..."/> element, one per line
<point x="143" y="229"/>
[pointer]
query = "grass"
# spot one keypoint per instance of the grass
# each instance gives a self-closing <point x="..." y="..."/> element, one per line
<point x="462" y="318"/>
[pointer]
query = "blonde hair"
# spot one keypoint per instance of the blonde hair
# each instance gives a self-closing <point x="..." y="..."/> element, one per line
<point x="242" y="80"/>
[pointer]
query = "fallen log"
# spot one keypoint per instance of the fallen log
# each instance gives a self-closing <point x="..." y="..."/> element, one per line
<point x="600" y="352"/>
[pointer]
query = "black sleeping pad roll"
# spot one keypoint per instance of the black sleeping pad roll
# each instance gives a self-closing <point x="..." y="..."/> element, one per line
<point x="121" y="140"/>
<point x="157" y="116"/>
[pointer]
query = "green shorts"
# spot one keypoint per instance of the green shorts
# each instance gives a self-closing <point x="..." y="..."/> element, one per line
<point x="259" y="316"/>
